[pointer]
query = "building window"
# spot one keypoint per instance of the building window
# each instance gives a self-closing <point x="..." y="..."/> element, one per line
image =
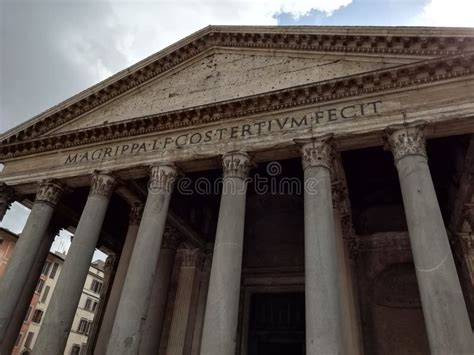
<point x="39" y="286"/>
<point x="45" y="294"/>
<point x="96" y="286"/>
<point x="37" y="316"/>
<point x="54" y="269"/>
<point x="28" y="314"/>
<point x="90" y="305"/>
<point x="75" y="350"/>
<point x="18" y="339"/>
<point x="29" y="340"/>
<point x="84" y="326"/>
<point x="46" y="268"/>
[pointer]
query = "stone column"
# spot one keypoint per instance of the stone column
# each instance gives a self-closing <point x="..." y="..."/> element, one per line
<point x="6" y="198"/>
<point x="469" y="215"/>
<point x="23" y="303"/>
<point x="133" y="305"/>
<point x="220" y="321"/>
<point x="110" y="268"/>
<point x="62" y="307"/>
<point x="324" y="319"/>
<point x="343" y="226"/>
<point x="119" y="279"/>
<point x="447" y="323"/>
<point x="184" y="311"/>
<point x="346" y="241"/>
<point x="153" y="325"/>
<point x="201" y="304"/>
<point x="26" y="249"/>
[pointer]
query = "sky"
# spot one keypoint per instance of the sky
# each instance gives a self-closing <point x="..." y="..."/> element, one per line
<point x="51" y="50"/>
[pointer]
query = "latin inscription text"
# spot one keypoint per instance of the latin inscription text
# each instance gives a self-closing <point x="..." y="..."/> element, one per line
<point x="216" y="135"/>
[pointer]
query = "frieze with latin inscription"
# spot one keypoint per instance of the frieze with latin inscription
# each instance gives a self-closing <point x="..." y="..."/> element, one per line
<point x="217" y="135"/>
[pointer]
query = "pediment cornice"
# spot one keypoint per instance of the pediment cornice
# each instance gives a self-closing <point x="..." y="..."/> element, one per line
<point x="414" y="42"/>
<point x="378" y="81"/>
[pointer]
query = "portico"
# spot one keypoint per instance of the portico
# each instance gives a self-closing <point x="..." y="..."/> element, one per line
<point x="280" y="184"/>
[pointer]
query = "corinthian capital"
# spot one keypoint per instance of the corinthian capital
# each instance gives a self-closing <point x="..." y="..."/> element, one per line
<point x="469" y="214"/>
<point x="7" y="194"/>
<point x="318" y="151"/>
<point x="49" y="191"/>
<point x="162" y="177"/>
<point x="236" y="164"/>
<point x="192" y="258"/>
<point x="102" y="184"/>
<point x="340" y="197"/>
<point x="406" y="140"/>
<point x="135" y="214"/>
<point x="171" y="238"/>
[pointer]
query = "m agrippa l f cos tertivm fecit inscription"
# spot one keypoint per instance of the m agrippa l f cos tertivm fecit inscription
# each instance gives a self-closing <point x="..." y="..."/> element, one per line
<point x="216" y="135"/>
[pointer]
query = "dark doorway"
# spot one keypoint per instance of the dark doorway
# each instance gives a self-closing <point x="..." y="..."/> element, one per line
<point x="277" y="324"/>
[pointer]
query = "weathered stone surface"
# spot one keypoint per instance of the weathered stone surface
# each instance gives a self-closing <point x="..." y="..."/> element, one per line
<point x="447" y="322"/>
<point x="323" y="302"/>
<point x="134" y="300"/>
<point x="135" y="216"/>
<point x="29" y="244"/>
<point x="259" y="91"/>
<point x="219" y="77"/>
<point x="221" y="317"/>
<point x="58" y="320"/>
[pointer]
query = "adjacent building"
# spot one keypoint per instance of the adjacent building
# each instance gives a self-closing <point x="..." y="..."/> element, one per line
<point x="50" y="272"/>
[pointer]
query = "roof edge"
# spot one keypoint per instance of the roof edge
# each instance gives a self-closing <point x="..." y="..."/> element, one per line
<point x="373" y="31"/>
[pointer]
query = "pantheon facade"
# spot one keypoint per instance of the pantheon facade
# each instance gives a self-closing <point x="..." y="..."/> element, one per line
<point x="260" y="190"/>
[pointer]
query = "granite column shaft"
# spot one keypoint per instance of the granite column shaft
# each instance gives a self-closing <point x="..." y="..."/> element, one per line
<point x="119" y="279"/>
<point x="26" y="249"/>
<point x="446" y="318"/>
<point x="62" y="307"/>
<point x="134" y="300"/>
<point x="24" y="301"/>
<point x="153" y="326"/>
<point x="184" y="312"/>
<point x="201" y="304"/>
<point x="324" y="319"/>
<point x="221" y="317"/>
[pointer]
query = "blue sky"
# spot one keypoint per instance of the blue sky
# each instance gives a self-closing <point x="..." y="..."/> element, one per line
<point x="363" y="12"/>
<point x="51" y="50"/>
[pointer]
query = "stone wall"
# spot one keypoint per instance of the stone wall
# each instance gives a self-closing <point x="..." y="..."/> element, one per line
<point x="390" y="307"/>
<point x="224" y="76"/>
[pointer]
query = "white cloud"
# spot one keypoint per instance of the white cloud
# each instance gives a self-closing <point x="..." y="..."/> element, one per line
<point x="80" y="52"/>
<point x="53" y="50"/>
<point x="151" y="25"/>
<point x="300" y="8"/>
<point x="15" y="218"/>
<point x="456" y="13"/>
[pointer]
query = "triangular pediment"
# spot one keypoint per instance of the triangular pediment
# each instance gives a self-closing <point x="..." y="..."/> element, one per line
<point x="224" y="63"/>
<point x="226" y="75"/>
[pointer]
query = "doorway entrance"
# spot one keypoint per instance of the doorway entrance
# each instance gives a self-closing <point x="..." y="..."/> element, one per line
<point x="276" y="324"/>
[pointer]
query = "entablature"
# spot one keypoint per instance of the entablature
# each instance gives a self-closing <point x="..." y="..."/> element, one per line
<point x="356" y="122"/>
<point x="379" y="81"/>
